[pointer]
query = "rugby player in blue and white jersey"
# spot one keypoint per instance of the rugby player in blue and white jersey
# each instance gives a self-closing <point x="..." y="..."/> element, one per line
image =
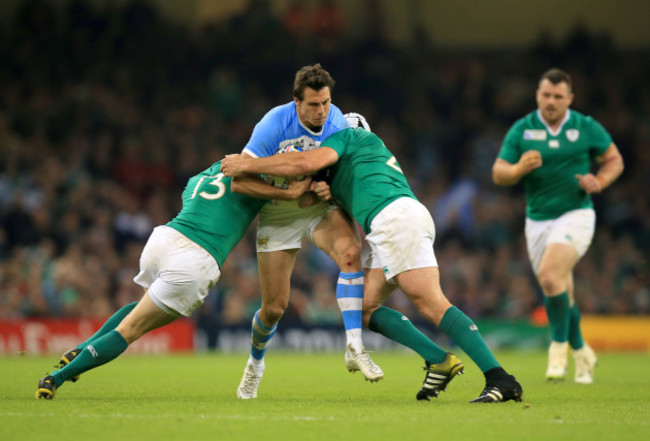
<point x="304" y="122"/>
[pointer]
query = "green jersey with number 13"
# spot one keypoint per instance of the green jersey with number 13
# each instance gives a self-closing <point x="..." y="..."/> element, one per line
<point x="213" y="216"/>
<point x="367" y="176"/>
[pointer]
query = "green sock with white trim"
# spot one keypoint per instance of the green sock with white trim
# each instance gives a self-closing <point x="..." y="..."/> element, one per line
<point x="464" y="332"/>
<point x="99" y="352"/>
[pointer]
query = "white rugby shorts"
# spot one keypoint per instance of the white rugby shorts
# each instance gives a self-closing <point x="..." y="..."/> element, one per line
<point x="283" y="224"/>
<point x="574" y="228"/>
<point x="401" y="238"/>
<point x="177" y="272"/>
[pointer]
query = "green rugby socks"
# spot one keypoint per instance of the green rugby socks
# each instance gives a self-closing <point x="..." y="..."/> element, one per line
<point x="99" y="352"/>
<point x="464" y="332"/>
<point x="397" y="327"/>
<point x="557" y="309"/>
<point x="575" y="334"/>
<point x="110" y="324"/>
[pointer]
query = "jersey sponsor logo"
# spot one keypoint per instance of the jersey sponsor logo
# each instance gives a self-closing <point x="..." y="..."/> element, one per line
<point x="554" y="143"/>
<point x="572" y="135"/>
<point x="304" y="142"/>
<point x="535" y="135"/>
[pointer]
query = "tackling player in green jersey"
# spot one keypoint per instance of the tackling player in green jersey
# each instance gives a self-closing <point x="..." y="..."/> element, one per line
<point x="552" y="150"/>
<point x="180" y="262"/>
<point x="368" y="182"/>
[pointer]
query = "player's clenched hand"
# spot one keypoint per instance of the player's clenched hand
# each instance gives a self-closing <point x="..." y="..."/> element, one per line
<point x="589" y="183"/>
<point x="322" y="190"/>
<point x="298" y="188"/>
<point x="529" y="161"/>
<point x="231" y="165"/>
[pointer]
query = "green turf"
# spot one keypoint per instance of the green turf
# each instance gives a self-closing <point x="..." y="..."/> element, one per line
<point x="313" y="397"/>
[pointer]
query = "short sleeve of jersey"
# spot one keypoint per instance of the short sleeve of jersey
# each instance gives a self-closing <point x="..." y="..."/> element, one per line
<point x="599" y="138"/>
<point x="339" y="141"/>
<point x="267" y="133"/>
<point x="510" y="149"/>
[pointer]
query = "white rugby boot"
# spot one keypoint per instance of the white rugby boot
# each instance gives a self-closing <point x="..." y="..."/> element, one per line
<point x="250" y="381"/>
<point x="359" y="360"/>
<point x="558" y="354"/>
<point x="585" y="360"/>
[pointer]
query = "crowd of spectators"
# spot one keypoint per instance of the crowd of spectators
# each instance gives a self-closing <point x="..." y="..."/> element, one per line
<point x="107" y="108"/>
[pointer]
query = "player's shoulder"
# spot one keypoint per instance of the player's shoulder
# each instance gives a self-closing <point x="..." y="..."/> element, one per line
<point x="581" y="118"/>
<point x="282" y="114"/>
<point x="585" y="123"/>
<point x="529" y="120"/>
<point x="336" y="121"/>
<point x="344" y="132"/>
<point x="341" y="139"/>
<point x="335" y="111"/>
<point x="274" y="124"/>
<point x="521" y="125"/>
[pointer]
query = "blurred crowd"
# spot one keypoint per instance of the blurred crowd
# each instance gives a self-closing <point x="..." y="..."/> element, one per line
<point x="106" y="109"/>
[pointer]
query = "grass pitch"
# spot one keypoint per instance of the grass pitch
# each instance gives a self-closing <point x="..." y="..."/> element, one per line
<point x="313" y="397"/>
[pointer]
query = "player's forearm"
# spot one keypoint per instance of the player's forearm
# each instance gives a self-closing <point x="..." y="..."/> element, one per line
<point x="505" y="174"/>
<point x="256" y="187"/>
<point x="610" y="170"/>
<point x="290" y="164"/>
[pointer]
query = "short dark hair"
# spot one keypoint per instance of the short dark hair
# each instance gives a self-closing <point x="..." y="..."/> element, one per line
<point x="314" y="77"/>
<point x="556" y="76"/>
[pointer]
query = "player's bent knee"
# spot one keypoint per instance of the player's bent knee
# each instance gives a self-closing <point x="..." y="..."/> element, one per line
<point x="271" y="314"/>
<point x="348" y="260"/>
<point x="549" y="281"/>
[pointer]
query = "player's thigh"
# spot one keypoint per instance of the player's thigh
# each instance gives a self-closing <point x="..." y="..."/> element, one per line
<point x="338" y="237"/>
<point x="176" y="272"/>
<point x="574" y="229"/>
<point x="145" y="317"/>
<point x="283" y="227"/>
<point x="275" y="276"/>
<point x="558" y="261"/>
<point x="401" y="238"/>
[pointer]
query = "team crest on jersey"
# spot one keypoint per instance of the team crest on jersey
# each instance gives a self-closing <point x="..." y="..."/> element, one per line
<point x="535" y="135"/>
<point x="572" y="135"/>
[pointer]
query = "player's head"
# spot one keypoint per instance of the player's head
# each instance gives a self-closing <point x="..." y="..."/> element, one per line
<point x="312" y="90"/>
<point x="554" y="95"/>
<point x="357" y="120"/>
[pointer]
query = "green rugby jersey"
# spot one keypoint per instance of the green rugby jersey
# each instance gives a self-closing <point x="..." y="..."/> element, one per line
<point x="367" y="176"/>
<point x="553" y="189"/>
<point x="213" y="216"/>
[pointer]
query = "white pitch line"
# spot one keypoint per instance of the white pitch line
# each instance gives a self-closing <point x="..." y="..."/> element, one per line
<point x="157" y="417"/>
